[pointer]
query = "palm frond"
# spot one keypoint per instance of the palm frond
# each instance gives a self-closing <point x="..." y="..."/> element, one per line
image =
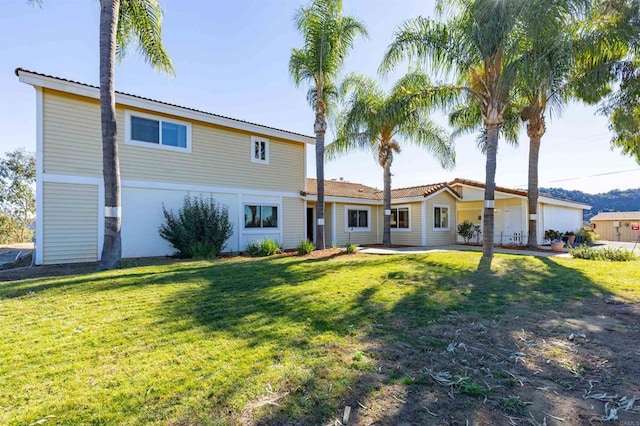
<point x="142" y="20"/>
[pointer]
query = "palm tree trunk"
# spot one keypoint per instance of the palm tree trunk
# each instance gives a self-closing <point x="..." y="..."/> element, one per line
<point x="320" y="127"/>
<point x="112" y="248"/>
<point x="489" y="191"/>
<point x="534" y="130"/>
<point x="386" y="235"/>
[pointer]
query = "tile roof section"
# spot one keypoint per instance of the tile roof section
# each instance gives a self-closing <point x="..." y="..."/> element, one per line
<point x="617" y="216"/>
<point x="504" y="190"/>
<point x="17" y="72"/>
<point x="422" y="190"/>
<point x="481" y="185"/>
<point x="335" y="188"/>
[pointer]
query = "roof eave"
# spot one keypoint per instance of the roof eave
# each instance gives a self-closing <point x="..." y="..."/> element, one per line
<point x="39" y="80"/>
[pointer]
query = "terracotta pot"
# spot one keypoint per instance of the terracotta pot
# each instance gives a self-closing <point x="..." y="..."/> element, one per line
<point x="572" y="239"/>
<point x="557" y="245"/>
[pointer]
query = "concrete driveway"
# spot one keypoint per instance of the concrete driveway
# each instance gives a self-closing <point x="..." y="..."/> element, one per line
<point x="619" y="244"/>
<point x="460" y="247"/>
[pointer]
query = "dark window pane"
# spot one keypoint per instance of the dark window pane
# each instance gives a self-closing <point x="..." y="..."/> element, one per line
<point x="252" y="216"/>
<point x="403" y="218"/>
<point x="353" y="218"/>
<point x="174" y="134"/>
<point x="145" y="130"/>
<point x="436" y="217"/>
<point x="362" y="219"/>
<point x="269" y="217"/>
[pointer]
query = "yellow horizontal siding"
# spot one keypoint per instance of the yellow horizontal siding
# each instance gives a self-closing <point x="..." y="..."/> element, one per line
<point x="434" y="237"/>
<point x="70" y="223"/>
<point x="358" y="238"/>
<point x="414" y="237"/>
<point x="219" y="157"/>
<point x="293" y="217"/>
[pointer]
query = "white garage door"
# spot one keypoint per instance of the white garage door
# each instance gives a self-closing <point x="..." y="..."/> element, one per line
<point x="561" y="218"/>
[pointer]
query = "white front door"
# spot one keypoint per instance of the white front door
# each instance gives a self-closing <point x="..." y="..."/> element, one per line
<point x="512" y="225"/>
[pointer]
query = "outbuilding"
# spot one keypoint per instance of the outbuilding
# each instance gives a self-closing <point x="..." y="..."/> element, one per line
<point x="617" y="226"/>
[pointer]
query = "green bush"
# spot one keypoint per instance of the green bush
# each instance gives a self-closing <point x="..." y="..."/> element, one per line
<point x="199" y="229"/>
<point x="468" y="230"/>
<point x="351" y="248"/>
<point x="305" y="247"/>
<point x="607" y="253"/>
<point x="552" y="235"/>
<point x="588" y="234"/>
<point x="263" y="248"/>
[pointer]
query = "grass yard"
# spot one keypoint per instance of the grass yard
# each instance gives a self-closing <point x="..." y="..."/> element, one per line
<point x="424" y="339"/>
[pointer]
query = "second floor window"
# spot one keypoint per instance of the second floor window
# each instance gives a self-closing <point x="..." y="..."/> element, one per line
<point x="145" y="129"/>
<point x="259" y="150"/>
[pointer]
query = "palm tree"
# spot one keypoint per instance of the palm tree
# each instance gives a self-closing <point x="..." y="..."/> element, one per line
<point x="544" y="87"/>
<point x="122" y="22"/>
<point x="477" y="49"/>
<point x="328" y="36"/>
<point x="373" y="120"/>
<point x="480" y="50"/>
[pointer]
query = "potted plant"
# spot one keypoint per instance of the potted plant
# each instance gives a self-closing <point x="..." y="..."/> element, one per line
<point x="555" y="237"/>
<point x="571" y="237"/>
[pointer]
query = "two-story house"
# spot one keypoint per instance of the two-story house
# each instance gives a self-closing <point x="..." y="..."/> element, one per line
<point x="165" y="151"/>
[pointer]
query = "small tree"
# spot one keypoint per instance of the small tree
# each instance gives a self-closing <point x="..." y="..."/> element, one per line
<point x="17" y="198"/>
<point x="467" y="230"/>
<point x="200" y="229"/>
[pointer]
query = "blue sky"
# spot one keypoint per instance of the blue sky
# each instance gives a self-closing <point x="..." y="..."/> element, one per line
<point x="231" y="58"/>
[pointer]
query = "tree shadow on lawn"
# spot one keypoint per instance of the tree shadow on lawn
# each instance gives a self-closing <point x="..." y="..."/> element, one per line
<point x="505" y="341"/>
<point x="391" y="349"/>
<point x="224" y="274"/>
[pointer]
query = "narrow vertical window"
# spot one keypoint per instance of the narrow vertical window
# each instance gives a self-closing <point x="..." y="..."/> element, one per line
<point x="259" y="150"/>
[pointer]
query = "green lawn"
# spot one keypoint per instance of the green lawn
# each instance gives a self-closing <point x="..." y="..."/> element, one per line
<point x="282" y="340"/>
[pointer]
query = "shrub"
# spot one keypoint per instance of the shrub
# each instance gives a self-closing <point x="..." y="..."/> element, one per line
<point x="199" y="229"/>
<point x="263" y="248"/>
<point x="552" y="235"/>
<point x="607" y="253"/>
<point x="351" y="248"/>
<point x="588" y="234"/>
<point x="305" y="247"/>
<point x="468" y="230"/>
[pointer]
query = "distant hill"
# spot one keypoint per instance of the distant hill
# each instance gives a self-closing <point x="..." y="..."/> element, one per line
<point x="612" y="201"/>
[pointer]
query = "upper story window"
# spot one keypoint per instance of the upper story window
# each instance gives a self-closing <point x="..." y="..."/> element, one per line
<point x="147" y="130"/>
<point x="400" y="218"/>
<point x="357" y="219"/>
<point x="259" y="150"/>
<point x="441" y="218"/>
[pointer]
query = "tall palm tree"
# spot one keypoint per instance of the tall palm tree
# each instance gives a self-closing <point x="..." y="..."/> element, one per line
<point x="328" y="36"/>
<point x="544" y="88"/>
<point x="476" y="49"/>
<point x="122" y="22"/>
<point x="479" y="49"/>
<point x="374" y="120"/>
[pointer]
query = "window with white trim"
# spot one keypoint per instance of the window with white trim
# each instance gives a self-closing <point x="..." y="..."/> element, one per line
<point x="260" y="216"/>
<point x="400" y="218"/>
<point x="357" y="219"/>
<point x="259" y="150"/>
<point x="441" y="218"/>
<point x="147" y="130"/>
